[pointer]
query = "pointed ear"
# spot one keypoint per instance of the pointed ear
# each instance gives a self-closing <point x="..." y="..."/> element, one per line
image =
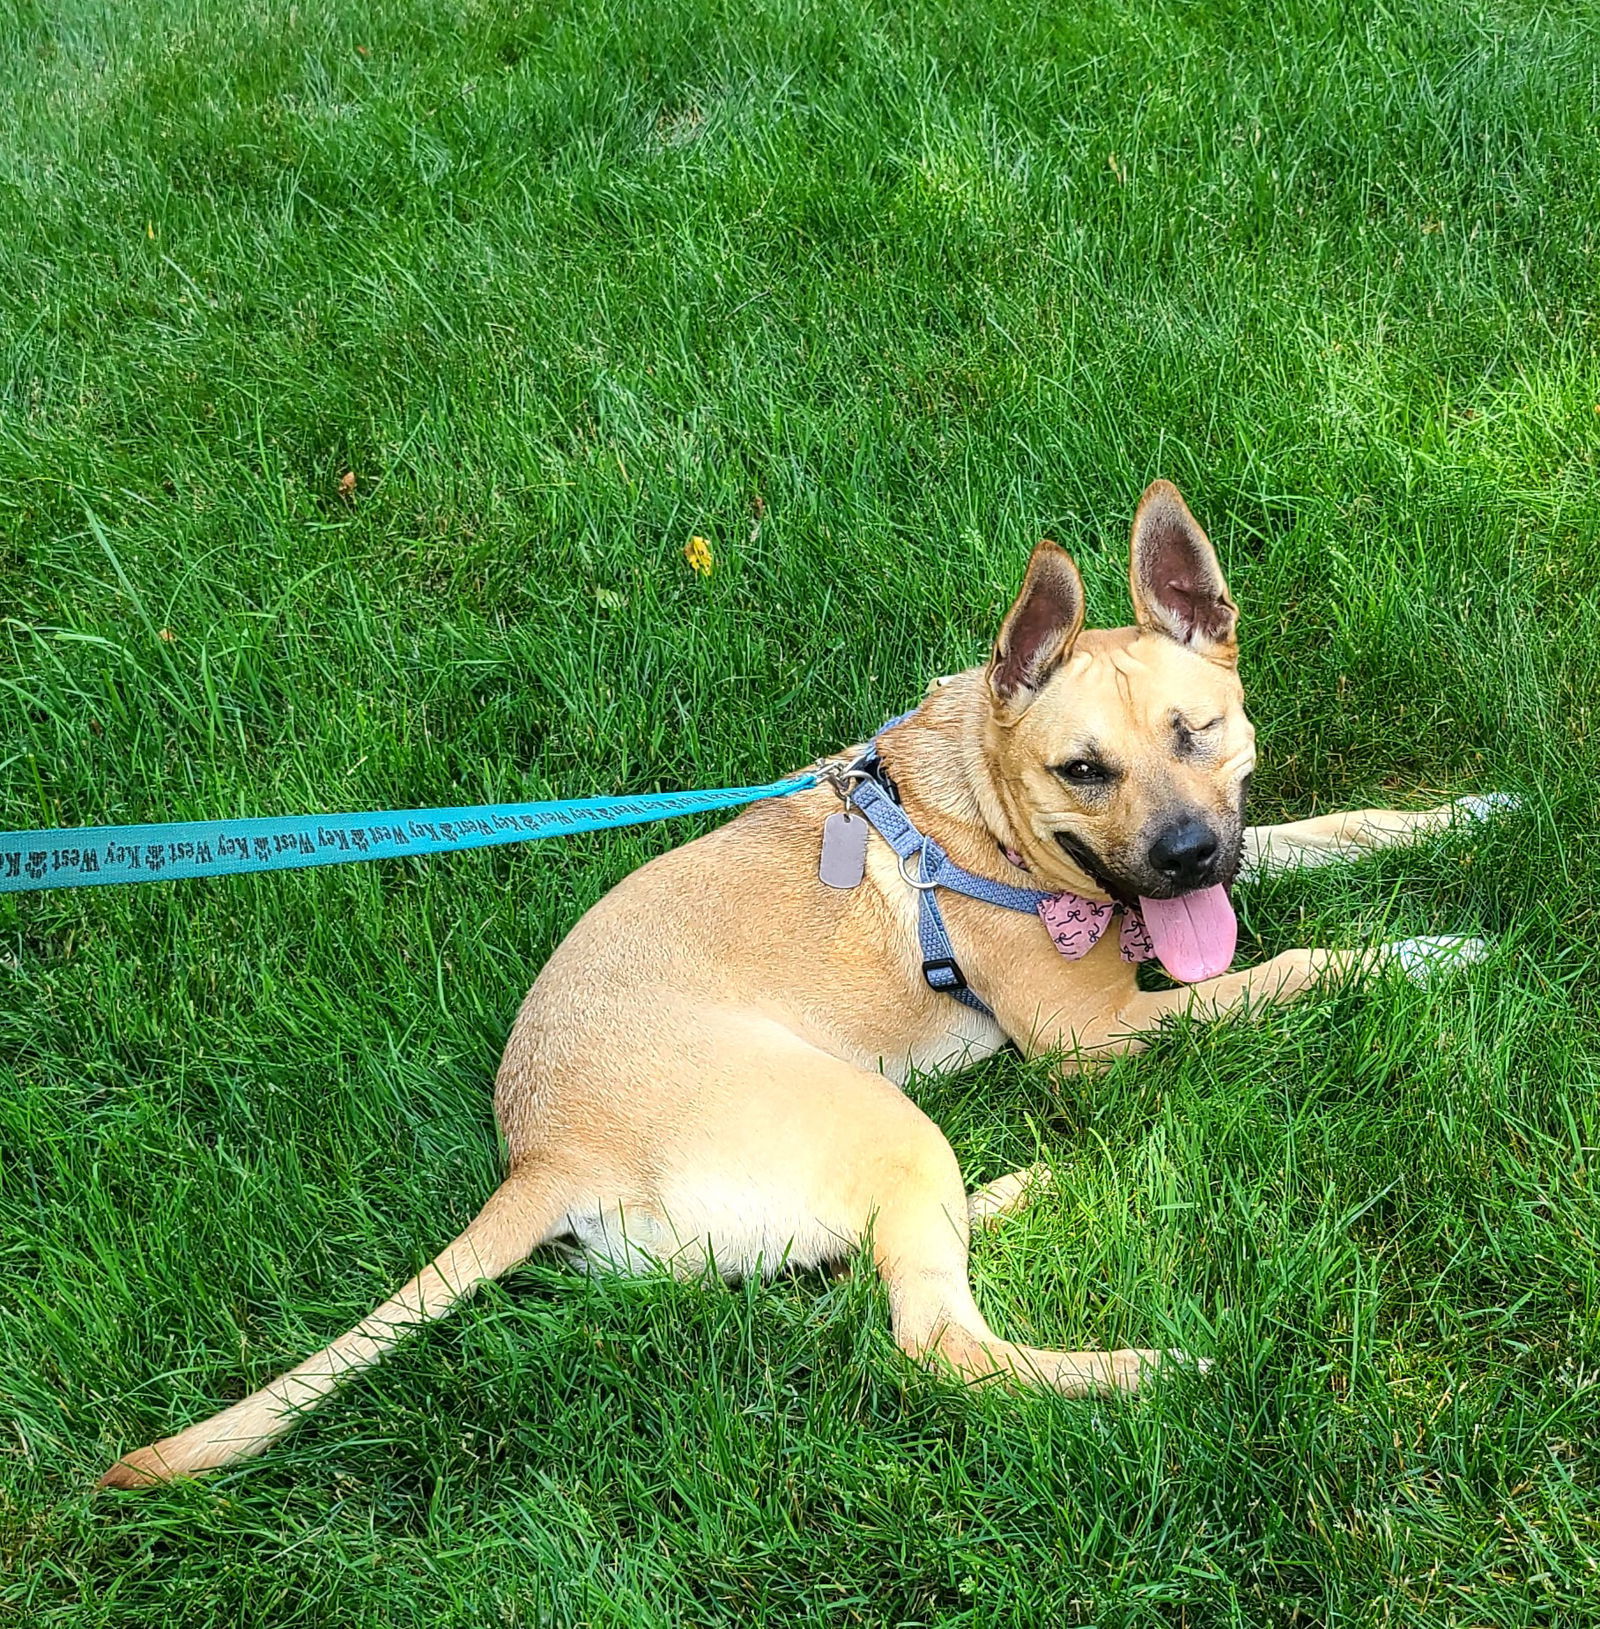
<point x="1039" y="629"/>
<point x="1177" y="584"/>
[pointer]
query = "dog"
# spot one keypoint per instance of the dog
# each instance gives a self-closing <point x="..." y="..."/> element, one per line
<point x="707" y="1073"/>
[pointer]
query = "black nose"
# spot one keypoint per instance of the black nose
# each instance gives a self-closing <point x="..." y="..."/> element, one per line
<point x="1185" y="852"/>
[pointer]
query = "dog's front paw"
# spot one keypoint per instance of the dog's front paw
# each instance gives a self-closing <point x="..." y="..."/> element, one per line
<point x="1432" y="956"/>
<point x="1477" y="806"/>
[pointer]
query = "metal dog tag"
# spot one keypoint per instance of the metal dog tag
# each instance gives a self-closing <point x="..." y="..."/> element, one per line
<point x="844" y="850"/>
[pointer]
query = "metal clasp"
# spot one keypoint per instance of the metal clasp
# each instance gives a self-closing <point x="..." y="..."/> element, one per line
<point x="916" y="881"/>
<point x="842" y="778"/>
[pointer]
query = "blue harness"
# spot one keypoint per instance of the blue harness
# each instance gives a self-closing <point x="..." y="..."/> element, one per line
<point x="874" y="796"/>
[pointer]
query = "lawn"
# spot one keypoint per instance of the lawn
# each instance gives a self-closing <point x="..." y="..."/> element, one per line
<point x="869" y="297"/>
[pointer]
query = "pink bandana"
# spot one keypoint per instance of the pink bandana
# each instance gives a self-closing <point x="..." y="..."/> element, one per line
<point x="1075" y="924"/>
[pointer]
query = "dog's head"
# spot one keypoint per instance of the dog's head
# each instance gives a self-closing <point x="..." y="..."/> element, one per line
<point x="1120" y="756"/>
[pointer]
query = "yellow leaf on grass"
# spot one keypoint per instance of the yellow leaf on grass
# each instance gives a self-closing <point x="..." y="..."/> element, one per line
<point x="697" y="551"/>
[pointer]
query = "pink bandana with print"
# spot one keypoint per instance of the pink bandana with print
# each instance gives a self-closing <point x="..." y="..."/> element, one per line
<point x="1075" y="924"/>
<point x="1195" y="933"/>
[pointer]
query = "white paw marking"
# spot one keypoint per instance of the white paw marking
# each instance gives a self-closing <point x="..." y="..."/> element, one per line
<point x="1484" y="805"/>
<point x="1433" y="955"/>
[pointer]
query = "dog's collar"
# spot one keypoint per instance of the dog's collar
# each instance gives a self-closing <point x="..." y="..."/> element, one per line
<point x="1075" y="924"/>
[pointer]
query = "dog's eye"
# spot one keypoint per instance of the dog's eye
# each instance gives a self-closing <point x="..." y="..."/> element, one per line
<point x="1084" y="772"/>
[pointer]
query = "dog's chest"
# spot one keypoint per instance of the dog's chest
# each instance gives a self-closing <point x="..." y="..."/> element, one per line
<point x="930" y="1030"/>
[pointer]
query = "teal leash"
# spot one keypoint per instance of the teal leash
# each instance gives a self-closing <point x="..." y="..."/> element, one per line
<point x="93" y="856"/>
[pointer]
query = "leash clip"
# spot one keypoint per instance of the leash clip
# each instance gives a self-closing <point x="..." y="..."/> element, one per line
<point x="842" y="778"/>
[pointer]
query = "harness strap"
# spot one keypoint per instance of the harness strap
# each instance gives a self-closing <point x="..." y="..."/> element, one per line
<point x="935" y="870"/>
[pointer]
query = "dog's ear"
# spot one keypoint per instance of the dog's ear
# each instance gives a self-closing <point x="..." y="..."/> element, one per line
<point x="1178" y="589"/>
<point x="1038" y="630"/>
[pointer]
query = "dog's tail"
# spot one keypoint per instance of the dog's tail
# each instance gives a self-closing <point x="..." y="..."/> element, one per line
<point x="521" y="1214"/>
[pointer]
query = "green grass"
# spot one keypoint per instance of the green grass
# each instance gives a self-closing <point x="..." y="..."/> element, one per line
<point x="871" y="297"/>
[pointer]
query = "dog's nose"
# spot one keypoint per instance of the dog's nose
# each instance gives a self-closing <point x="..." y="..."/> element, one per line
<point x="1185" y="852"/>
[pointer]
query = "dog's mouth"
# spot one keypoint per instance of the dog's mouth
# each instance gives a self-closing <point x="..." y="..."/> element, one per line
<point x="1088" y="862"/>
<point x="1193" y="934"/>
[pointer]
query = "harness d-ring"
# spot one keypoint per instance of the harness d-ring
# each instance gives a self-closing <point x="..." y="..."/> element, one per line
<point x="916" y="881"/>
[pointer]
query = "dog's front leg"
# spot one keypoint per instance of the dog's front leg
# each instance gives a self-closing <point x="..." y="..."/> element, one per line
<point x="1087" y="1034"/>
<point x="1284" y="978"/>
<point x="1331" y="839"/>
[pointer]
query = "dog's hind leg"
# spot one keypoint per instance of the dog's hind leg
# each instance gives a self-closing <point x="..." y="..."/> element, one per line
<point x="920" y="1248"/>
<point x="521" y="1213"/>
<point x="1008" y="1195"/>
<point x="919" y="1235"/>
<point x="1340" y="838"/>
<point x="814" y="1155"/>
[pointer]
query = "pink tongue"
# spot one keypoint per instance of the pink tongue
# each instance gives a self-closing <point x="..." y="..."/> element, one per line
<point x="1194" y="934"/>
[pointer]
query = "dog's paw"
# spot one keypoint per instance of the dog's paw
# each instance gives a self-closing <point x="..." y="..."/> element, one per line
<point x="1128" y="1368"/>
<point x="1008" y="1195"/>
<point x="1135" y="1366"/>
<point x="1476" y="806"/>
<point x="144" y="1468"/>
<point x="1432" y="956"/>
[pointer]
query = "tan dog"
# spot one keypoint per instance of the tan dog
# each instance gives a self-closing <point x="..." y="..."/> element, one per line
<point x="708" y="1069"/>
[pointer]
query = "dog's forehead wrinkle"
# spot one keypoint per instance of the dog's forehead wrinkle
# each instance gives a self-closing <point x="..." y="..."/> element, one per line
<point x="1128" y="670"/>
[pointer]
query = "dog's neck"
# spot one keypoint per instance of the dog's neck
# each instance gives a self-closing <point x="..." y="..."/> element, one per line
<point x="944" y="766"/>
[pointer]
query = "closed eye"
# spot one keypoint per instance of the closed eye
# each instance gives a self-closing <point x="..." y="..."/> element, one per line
<point x="1187" y="736"/>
